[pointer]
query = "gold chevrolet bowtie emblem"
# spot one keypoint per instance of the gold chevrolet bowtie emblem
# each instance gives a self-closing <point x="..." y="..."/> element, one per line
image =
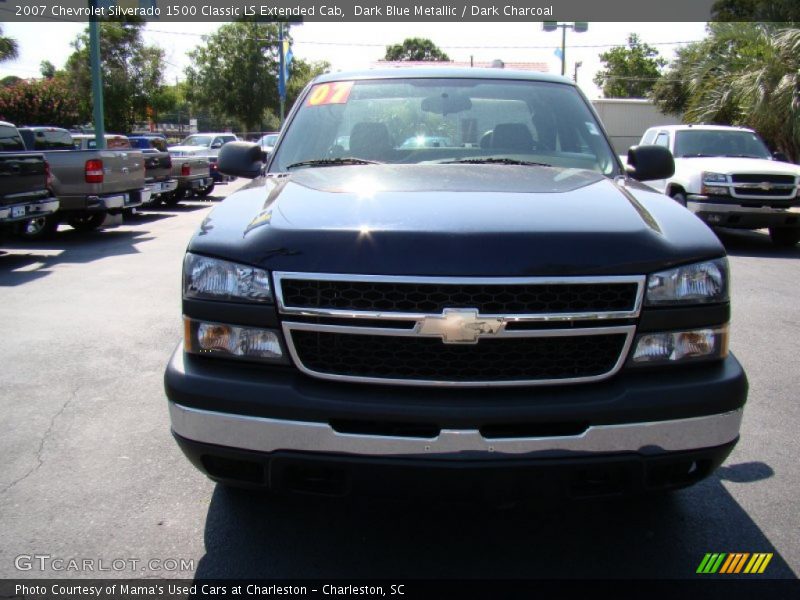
<point x="459" y="326"/>
<point x="766" y="186"/>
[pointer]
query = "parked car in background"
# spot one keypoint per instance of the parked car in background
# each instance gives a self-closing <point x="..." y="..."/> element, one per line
<point x="88" y="141"/>
<point x="202" y="144"/>
<point x="24" y="193"/>
<point x="268" y="141"/>
<point x="193" y="174"/>
<point x="93" y="186"/>
<point x="158" y="166"/>
<point x="728" y="177"/>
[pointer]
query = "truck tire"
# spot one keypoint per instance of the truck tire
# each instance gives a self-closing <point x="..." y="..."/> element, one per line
<point x="205" y="191"/>
<point x="39" y="228"/>
<point x="784" y="237"/>
<point x="173" y="198"/>
<point x="87" y="222"/>
<point x="679" y="197"/>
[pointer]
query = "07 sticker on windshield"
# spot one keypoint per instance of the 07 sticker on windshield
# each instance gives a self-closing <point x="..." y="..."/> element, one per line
<point x="329" y="93"/>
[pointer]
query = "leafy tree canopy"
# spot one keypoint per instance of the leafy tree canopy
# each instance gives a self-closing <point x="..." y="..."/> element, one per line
<point x="9" y="49"/>
<point x="741" y="74"/>
<point x="415" y="49"/>
<point x="630" y="71"/>
<point x="133" y="74"/>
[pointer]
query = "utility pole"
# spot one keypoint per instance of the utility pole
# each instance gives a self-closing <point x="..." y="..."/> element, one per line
<point x="577" y="27"/>
<point x="97" y="80"/>
<point x="281" y="72"/>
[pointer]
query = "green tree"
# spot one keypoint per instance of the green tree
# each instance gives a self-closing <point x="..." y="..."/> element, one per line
<point x="9" y="80"/>
<point x="241" y="60"/>
<point x="234" y="73"/>
<point x="787" y="11"/>
<point x="47" y="69"/>
<point x="630" y="71"/>
<point x="40" y="102"/>
<point x="132" y="74"/>
<point x="415" y="49"/>
<point x="9" y="49"/>
<point x="741" y="74"/>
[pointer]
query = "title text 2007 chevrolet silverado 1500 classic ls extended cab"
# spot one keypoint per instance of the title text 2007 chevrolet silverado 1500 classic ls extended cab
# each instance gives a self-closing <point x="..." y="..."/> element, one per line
<point x="510" y="305"/>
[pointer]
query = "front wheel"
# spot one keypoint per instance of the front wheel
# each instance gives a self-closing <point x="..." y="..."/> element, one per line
<point x="88" y="222"/>
<point x="680" y="198"/>
<point x="39" y="228"/>
<point x="205" y="191"/>
<point x="173" y="198"/>
<point x="785" y="237"/>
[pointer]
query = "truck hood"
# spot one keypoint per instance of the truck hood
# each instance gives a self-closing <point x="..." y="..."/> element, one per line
<point x="728" y="165"/>
<point x="476" y="220"/>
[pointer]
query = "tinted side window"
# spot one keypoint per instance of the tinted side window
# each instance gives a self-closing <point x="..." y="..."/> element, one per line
<point x="10" y="140"/>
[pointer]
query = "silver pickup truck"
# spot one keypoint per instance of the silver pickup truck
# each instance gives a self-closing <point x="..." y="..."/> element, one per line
<point x="193" y="175"/>
<point x="93" y="187"/>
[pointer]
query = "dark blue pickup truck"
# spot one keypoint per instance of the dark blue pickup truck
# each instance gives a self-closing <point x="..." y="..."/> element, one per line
<point x="24" y="193"/>
<point x="505" y="309"/>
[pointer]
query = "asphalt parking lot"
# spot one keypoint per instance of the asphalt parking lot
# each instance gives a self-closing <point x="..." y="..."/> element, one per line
<point x="90" y="471"/>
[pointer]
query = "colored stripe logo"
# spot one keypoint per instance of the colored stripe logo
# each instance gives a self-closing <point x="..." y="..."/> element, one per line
<point x="735" y="562"/>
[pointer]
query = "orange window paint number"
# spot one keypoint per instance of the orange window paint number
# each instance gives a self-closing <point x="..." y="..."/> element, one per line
<point x="329" y="93"/>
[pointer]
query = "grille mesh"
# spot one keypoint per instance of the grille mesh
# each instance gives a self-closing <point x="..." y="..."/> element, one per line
<point x="417" y="358"/>
<point x="747" y="178"/>
<point x="434" y="298"/>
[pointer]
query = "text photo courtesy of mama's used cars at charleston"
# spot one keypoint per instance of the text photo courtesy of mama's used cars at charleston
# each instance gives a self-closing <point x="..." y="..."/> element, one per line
<point x="319" y="289"/>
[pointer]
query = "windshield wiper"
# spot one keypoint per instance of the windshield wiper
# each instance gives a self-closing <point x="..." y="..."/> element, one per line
<point x="333" y="162"/>
<point x="495" y="161"/>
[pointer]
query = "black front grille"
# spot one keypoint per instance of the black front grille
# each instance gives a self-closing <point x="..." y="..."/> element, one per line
<point x="429" y="359"/>
<point x="747" y="178"/>
<point x="435" y="297"/>
<point x="773" y="193"/>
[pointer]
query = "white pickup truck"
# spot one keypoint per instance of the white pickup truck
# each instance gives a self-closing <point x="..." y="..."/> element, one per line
<point x="728" y="178"/>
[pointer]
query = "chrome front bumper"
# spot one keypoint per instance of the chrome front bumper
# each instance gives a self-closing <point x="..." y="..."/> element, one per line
<point x="270" y="435"/>
<point x="28" y="210"/>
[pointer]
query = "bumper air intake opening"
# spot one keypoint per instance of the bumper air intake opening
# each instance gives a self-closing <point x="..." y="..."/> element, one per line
<point x="599" y="482"/>
<point x="313" y="479"/>
<point x="233" y="469"/>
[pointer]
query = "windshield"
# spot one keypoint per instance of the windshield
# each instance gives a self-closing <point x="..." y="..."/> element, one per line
<point x="197" y="140"/>
<point x="711" y="142"/>
<point x="445" y="120"/>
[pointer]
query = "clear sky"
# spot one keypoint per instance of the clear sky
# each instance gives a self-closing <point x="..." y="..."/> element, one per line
<point x="358" y="45"/>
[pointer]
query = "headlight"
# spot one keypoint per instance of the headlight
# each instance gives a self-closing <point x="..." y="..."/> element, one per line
<point x="714" y="184"/>
<point x="700" y="283"/>
<point x="214" y="279"/>
<point x="232" y="341"/>
<point x="680" y="346"/>
<point x="714" y="177"/>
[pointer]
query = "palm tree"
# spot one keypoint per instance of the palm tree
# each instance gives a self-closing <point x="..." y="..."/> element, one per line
<point x="9" y="49"/>
<point x="741" y="74"/>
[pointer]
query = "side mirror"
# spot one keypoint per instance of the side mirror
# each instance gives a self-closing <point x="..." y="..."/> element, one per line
<point x="650" y="162"/>
<point x="215" y="146"/>
<point x="241" y="159"/>
<point x="780" y="156"/>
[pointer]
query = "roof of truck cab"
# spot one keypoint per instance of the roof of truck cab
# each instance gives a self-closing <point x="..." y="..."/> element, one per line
<point x="442" y="73"/>
<point x="701" y="127"/>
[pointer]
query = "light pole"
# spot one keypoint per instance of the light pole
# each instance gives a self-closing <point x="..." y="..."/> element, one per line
<point x="577" y="27"/>
<point x="578" y="65"/>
